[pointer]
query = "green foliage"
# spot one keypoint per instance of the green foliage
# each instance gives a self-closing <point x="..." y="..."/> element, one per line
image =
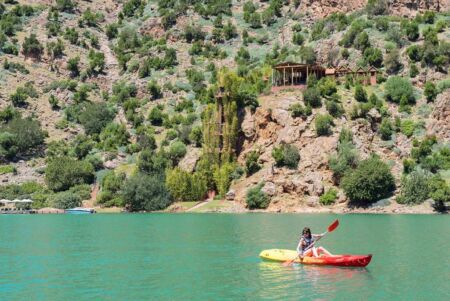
<point x="411" y="30"/>
<point x="392" y="61"/>
<point x="430" y="91"/>
<point x="297" y="110"/>
<point x="386" y="129"/>
<point x="414" y="53"/>
<point x="32" y="47"/>
<point x="286" y="155"/>
<point x="65" y="172"/>
<point x="55" y="49"/>
<point x="328" y="197"/>
<point x="251" y="163"/>
<point x="177" y="151"/>
<point x="20" y="136"/>
<point x="53" y="101"/>
<point x="222" y="177"/>
<point x="397" y="88"/>
<point x="298" y="39"/>
<point x="360" y="94"/>
<point x="428" y="17"/>
<point x="5" y="169"/>
<point x="66" y="200"/>
<point x="144" y="192"/>
<point x="114" y="135"/>
<point x="89" y="18"/>
<point x="96" y="62"/>
<point x="308" y="55"/>
<point x="377" y="7"/>
<point x="111" y="189"/>
<point x="150" y="162"/>
<point x="415" y="187"/>
<point x="94" y="117"/>
<point x="185" y="186"/>
<point x="407" y="127"/>
<point x="323" y="124"/>
<point x="311" y="97"/>
<point x="345" y="159"/>
<point x="72" y="66"/>
<point x="369" y="182"/>
<point x="256" y="198"/>
<point x="362" y="41"/>
<point x="65" y="5"/>
<point x="373" y="57"/>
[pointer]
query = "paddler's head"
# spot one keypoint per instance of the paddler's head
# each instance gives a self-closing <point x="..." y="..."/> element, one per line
<point x="306" y="232"/>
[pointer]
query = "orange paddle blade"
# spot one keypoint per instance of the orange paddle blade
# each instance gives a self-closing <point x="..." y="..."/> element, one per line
<point x="333" y="226"/>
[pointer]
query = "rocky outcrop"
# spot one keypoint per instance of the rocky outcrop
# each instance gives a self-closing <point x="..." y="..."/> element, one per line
<point x="408" y="8"/>
<point x="439" y="124"/>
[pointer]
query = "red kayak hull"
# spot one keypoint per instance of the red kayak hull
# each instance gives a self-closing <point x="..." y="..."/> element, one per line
<point x="281" y="255"/>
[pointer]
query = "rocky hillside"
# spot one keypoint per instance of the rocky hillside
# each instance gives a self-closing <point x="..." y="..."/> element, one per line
<point x="115" y="104"/>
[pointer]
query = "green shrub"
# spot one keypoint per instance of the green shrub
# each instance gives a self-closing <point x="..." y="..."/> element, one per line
<point x="94" y="117"/>
<point x="20" y="136"/>
<point x="286" y="155"/>
<point x="185" y="186"/>
<point x="297" y="110"/>
<point x="251" y="163"/>
<point x="430" y="91"/>
<point x="154" y="89"/>
<point x="156" y="116"/>
<point x="328" y="197"/>
<point x="414" y="53"/>
<point x="360" y="94"/>
<point x="369" y="182"/>
<point x="397" y="88"/>
<point x="96" y="62"/>
<point x="407" y="127"/>
<point x="386" y="129"/>
<point x="256" y="198"/>
<point x="377" y="7"/>
<point x="114" y="135"/>
<point x="345" y="159"/>
<point x="323" y="124"/>
<point x="146" y="193"/>
<point x="298" y="39"/>
<point x="32" y="47"/>
<point x="392" y="62"/>
<point x="415" y="187"/>
<point x="177" y="151"/>
<point x="65" y="5"/>
<point x="66" y="200"/>
<point x="311" y="97"/>
<point x="373" y="57"/>
<point x="65" y="172"/>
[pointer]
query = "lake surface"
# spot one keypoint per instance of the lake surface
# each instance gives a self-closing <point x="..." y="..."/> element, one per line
<point x="215" y="257"/>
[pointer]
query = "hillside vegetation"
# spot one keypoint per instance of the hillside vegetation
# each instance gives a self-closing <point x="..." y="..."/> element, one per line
<point x="116" y="102"/>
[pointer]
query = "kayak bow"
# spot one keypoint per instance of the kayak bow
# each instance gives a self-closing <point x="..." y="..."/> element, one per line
<point x="334" y="260"/>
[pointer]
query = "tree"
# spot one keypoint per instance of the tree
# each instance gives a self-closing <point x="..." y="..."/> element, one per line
<point x="95" y="117"/>
<point x="369" y="182"/>
<point x="397" y="88"/>
<point x="298" y="39"/>
<point x="308" y="55"/>
<point x="360" y="94"/>
<point x="177" y="151"/>
<point x="415" y="187"/>
<point x="20" y="136"/>
<point x="251" y="163"/>
<point x="144" y="192"/>
<point x="373" y="57"/>
<point x="362" y="41"/>
<point x="430" y="91"/>
<point x="66" y="200"/>
<point x="114" y="135"/>
<point x="65" y="172"/>
<point x="414" y="53"/>
<point x="256" y="198"/>
<point x="185" y="186"/>
<point x="392" y="62"/>
<point x="411" y="30"/>
<point x="323" y="124"/>
<point x="32" y="47"/>
<point x="377" y="7"/>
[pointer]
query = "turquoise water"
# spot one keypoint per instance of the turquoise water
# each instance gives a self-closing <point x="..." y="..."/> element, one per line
<point x="215" y="257"/>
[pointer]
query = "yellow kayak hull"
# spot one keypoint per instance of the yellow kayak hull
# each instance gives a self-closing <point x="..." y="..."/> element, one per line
<point x="282" y="255"/>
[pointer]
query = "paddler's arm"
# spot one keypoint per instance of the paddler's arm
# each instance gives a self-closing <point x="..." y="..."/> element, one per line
<point x="300" y="248"/>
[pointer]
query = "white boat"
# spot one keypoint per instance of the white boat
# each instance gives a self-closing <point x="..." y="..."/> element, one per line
<point x="80" y="210"/>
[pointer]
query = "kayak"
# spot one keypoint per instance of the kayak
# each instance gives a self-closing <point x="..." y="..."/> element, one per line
<point x="335" y="260"/>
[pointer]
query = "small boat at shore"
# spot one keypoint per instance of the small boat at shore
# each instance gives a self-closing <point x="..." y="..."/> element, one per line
<point x="80" y="210"/>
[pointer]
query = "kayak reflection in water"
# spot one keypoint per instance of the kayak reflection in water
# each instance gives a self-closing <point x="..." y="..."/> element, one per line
<point x="306" y="246"/>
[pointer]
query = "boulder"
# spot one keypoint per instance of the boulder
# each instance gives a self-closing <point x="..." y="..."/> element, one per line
<point x="269" y="188"/>
<point x="313" y="201"/>
<point x="230" y="195"/>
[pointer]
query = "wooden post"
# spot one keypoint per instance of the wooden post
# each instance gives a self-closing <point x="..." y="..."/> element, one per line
<point x="306" y="73"/>
<point x="272" y="78"/>
<point x="292" y="76"/>
<point x="284" y="76"/>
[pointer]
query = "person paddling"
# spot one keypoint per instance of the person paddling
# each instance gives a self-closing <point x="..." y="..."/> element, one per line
<point x="306" y="246"/>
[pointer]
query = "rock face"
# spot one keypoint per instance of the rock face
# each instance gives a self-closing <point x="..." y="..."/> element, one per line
<point x="407" y="8"/>
<point x="440" y="118"/>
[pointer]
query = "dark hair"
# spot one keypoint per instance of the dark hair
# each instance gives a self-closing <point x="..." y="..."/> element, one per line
<point x="306" y="230"/>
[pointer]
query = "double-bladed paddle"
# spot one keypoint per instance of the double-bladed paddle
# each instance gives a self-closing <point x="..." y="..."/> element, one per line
<point x="330" y="228"/>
